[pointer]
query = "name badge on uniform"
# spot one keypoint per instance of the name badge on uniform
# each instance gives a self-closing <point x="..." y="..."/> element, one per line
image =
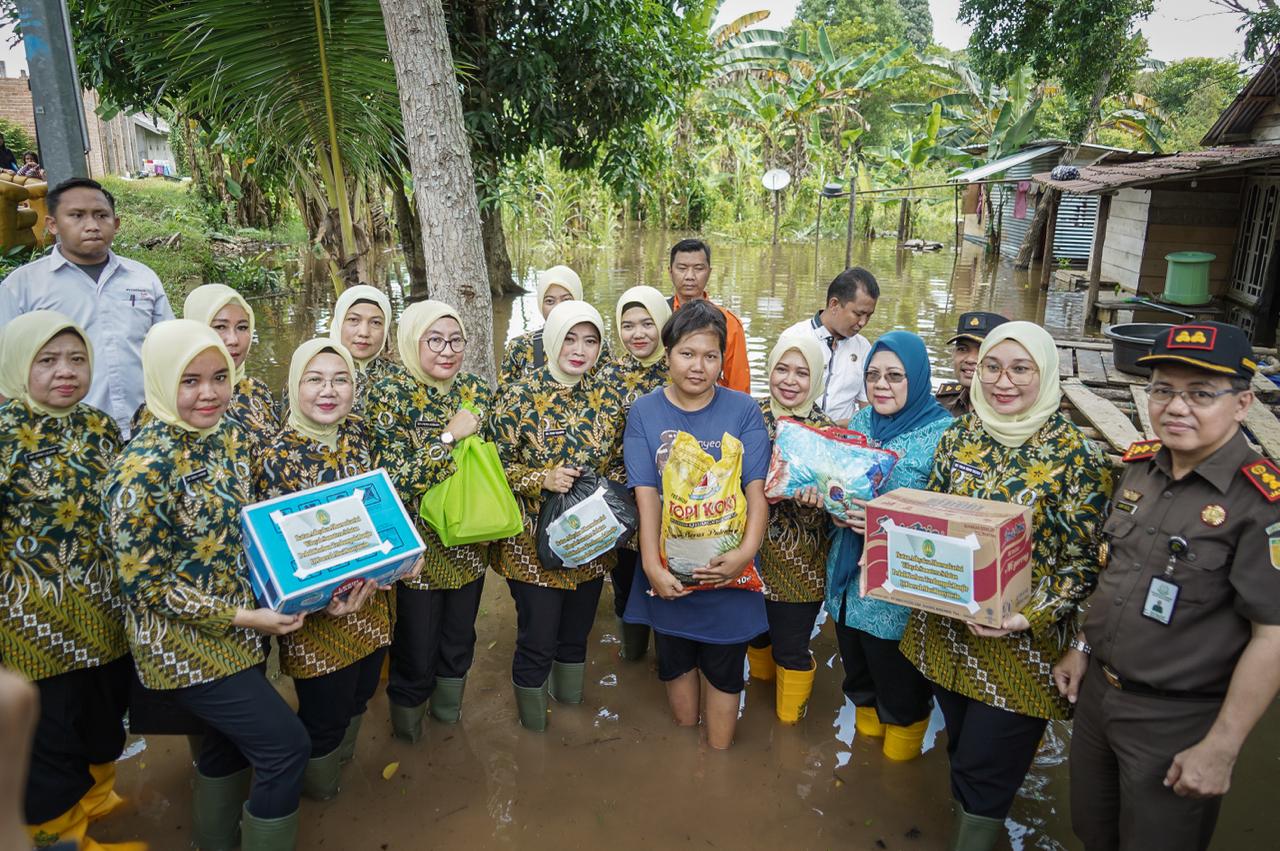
<point x="1162" y="597"/>
<point x="553" y="432"/>
<point x="429" y="424"/>
<point x="960" y="467"/>
<point x="195" y="478"/>
<point x="41" y="455"/>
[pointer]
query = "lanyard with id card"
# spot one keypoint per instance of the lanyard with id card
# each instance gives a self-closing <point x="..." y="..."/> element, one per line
<point x="1162" y="593"/>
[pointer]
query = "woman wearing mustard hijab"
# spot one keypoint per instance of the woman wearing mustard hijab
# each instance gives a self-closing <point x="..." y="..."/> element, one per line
<point x="335" y="659"/>
<point x="226" y="312"/>
<point x="549" y="427"/>
<point x="418" y="412"/>
<point x="640" y="368"/>
<point x="995" y="686"/>
<point x="793" y="555"/>
<point x="527" y="353"/>
<point x="174" y="498"/>
<point x="362" y="324"/>
<point x="61" y="615"/>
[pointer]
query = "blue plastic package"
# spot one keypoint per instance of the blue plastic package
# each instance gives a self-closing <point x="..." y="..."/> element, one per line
<point x="836" y="461"/>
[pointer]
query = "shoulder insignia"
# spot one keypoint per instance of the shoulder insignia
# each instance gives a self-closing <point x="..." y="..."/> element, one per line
<point x="1265" y="476"/>
<point x="1141" y="450"/>
<point x="949" y="389"/>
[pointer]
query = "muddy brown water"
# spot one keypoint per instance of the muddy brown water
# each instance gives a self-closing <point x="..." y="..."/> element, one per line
<point x="615" y="772"/>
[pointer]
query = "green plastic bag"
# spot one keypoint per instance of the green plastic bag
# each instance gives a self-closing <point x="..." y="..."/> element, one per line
<point x="475" y="504"/>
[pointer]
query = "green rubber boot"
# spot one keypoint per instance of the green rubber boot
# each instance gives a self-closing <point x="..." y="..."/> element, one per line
<point x="531" y="703"/>
<point x="446" y="700"/>
<point x="406" y="721"/>
<point x="322" y="779"/>
<point x="566" y="681"/>
<point x="268" y="834"/>
<point x="215" y="810"/>
<point x="347" y="749"/>
<point x="635" y="641"/>
<point x="975" y="833"/>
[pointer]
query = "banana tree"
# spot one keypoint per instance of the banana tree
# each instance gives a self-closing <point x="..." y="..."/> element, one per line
<point x="902" y="162"/>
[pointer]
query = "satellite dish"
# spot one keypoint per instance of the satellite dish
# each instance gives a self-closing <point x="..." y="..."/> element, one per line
<point x="776" y="179"/>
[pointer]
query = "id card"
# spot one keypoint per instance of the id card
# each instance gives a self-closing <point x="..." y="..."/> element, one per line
<point x="1162" y="596"/>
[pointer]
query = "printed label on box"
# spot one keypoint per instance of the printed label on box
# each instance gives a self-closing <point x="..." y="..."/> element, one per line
<point x="327" y="535"/>
<point x="937" y="567"/>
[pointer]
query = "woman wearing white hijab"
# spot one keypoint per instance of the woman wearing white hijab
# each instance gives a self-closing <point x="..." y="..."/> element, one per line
<point x="362" y="324"/>
<point x="418" y="412"/>
<point x="549" y="427"/>
<point x="527" y="353"/>
<point x="174" y="497"/>
<point x="336" y="657"/>
<point x="61" y="616"/>
<point x="995" y="686"/>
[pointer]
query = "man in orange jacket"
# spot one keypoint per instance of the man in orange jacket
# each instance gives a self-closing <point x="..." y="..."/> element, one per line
<point x="690" y="268"/>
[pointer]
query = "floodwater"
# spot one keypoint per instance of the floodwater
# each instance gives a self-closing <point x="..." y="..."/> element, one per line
<point x="615" y="772"/>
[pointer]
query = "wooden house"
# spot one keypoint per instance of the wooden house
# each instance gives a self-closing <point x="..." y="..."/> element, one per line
<point x="1014" y="197"/>
<point x="1224" y="199"/>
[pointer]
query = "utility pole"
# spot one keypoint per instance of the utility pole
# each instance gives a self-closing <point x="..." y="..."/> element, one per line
<point x="55" y="88"/>
<point x="853" y="208"/>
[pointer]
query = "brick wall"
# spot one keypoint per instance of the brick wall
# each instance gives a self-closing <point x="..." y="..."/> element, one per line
<point x="15" y="103"/>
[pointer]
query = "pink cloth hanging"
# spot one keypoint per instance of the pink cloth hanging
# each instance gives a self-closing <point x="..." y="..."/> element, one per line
<point x="1020" y="200"/>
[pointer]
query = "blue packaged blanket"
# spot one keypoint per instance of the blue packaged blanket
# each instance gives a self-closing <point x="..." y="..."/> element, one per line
<point x="834" y="460"/>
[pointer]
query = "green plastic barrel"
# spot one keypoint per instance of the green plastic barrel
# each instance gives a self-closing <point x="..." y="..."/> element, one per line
<point x="1187" y="279"/>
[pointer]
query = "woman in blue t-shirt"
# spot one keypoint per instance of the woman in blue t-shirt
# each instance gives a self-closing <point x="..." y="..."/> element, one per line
<point x="704" y="631"/>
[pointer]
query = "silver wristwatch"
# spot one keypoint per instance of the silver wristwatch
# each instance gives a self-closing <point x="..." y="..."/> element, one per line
<point x="446" y="438"/>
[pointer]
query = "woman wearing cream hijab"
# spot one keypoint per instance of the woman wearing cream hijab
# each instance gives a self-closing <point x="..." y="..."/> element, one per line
<point x="194" y="627"/>
<point x="336" y="658"/>
<point x="227" y="313"/>
<point x="362" y="324"/>
<point x="418" y="412"/>
<point x="527" y="353"/>
<point x="793" y="555"/>
<point x="549" y="427"/>
<point x="994" y="684"/>
<point x="640" y="368"/>
<point x="61" y="617"/>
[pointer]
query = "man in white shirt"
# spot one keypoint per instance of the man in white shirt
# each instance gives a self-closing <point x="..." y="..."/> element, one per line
<point x="851" y="301"/>
<point x="114" y="299"/>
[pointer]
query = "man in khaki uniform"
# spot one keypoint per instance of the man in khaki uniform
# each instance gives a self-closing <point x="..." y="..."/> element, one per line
<point x="1180" y="651"/>
<point x="971" y="330"/>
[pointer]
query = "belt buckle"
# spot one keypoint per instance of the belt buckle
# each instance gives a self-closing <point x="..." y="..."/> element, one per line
<point x="1113" y="679"/>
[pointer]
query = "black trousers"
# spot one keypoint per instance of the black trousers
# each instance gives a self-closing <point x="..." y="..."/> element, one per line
<point x="327" y="703"/>
<point x="877" y="674"/>
<point x="623" y="576"/>
<point x="551" y="625"/>
<point x="435" y="635"/>
<point x="81" y="724"/>
<point x="1121" y="747"/>
<point x="249" y="724"/>
<point x="990" y="749"/>
<point x="790" y="627"/>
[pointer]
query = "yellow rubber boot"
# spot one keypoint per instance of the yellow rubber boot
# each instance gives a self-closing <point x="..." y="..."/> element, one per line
<point x="71" y="827"/>
<point x="902" y="744"/>
<point x="867" y="722"/>
<point x="760" y="659"/>
<point x="101" y="800"/>
<point x="793" y="690"/>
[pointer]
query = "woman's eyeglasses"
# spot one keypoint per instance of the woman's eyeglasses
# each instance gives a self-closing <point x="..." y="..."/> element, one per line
<point x="316" y="382"/>
<point x="438" y="344"/>
<point x="893" y="376"/>
<point x="1162" y="395"/>
<point x="1020" y="374"/>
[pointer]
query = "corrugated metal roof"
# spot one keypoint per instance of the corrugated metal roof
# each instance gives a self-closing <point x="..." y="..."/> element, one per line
<point x="1095" y="179"/>
<point x="1003" y="164"/>
<point x="1237" y="120"/>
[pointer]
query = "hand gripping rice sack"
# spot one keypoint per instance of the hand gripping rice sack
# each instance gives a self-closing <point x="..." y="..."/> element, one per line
<point x="704" y="511"/>
<point x="593" y="517"/>
<point x="836" y="461"/>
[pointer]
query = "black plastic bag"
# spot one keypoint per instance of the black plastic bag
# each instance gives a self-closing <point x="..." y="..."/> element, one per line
<point x="598" y="535"/>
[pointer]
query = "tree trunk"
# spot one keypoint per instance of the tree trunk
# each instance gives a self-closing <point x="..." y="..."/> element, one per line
<point x="1035" y="231"/>
<point x="409" y="233"/>
<point x="443" y="179"/>
<point x="496" y="258"/>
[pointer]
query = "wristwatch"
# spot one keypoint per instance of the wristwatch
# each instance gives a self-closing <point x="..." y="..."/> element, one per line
<point x="1077" y="644"/>
<point x="446" y="438"/>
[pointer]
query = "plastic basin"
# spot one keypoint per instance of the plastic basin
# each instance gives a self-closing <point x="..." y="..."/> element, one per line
<point x="1133" y="340"/>
<point x="1186" y="279"/>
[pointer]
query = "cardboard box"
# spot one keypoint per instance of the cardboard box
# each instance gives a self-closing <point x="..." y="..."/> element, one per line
<point x="952" y="555"/>
<point x="306" y="547"/>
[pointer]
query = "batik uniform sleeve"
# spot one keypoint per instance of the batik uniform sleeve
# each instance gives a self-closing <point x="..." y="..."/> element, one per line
<point x="152" y="575"/>
<point x="1075" y="522"/>
<point x="514" y="361"/>
<point x="525" y="479"/>
<point x="940" y="473"/>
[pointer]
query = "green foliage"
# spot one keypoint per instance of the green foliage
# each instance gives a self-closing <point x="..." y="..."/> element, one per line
<point x="918" y="22"/>
<point x="16" y="138"/>
<point x="1083" y="46"/>
<point x="1195" y="91"/>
